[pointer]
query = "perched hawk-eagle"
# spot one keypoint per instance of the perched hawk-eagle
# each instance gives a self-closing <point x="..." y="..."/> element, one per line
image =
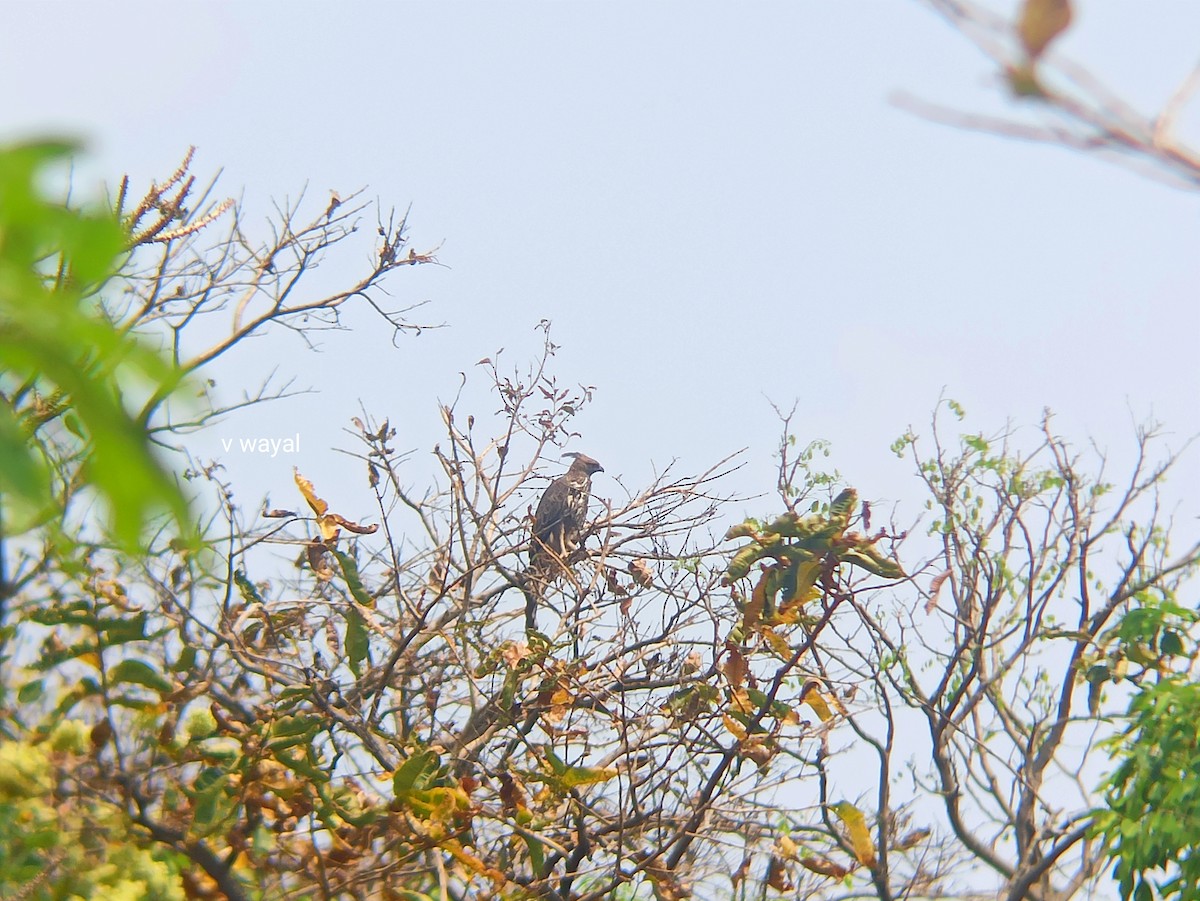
<point x="557" y="526"/>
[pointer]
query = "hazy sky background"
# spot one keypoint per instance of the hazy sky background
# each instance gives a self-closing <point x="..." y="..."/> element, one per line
<point x="718" y="206"/>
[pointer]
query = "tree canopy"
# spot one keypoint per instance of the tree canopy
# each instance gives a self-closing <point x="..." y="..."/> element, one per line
<point x="993" y="695"/>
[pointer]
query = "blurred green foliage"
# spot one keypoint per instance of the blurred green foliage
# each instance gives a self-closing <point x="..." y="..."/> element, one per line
<point x="1152" y="821"/>
<point x="71" y="850"/>
<point x="68" y="374"/>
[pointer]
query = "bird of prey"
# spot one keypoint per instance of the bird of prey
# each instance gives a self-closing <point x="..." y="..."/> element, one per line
<point x="557" y="527"/>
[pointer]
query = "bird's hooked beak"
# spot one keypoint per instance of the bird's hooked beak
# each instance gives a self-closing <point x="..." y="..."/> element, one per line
<point x="593" y="465"/>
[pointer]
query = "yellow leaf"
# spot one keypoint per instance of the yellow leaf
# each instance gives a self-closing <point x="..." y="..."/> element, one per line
<point x="836" y="705"/>
<point x="437" y="805"/>
<point x="735" y="728"/>
<point x="787" y="847"/>
<point x="777" y="643"/>
<point x="329" y="524"/>
<point x="559" y="705"/>
<point x="860" y="837"/>
<point x="306" y="488"/>
<point x="824" y="704"/>
<point x="473" y="863"/>
<point x="587" y="775"/>
<point x="1041" y="22"/>
<point x="740" y="701"/>
<point x="814" y="700"/>
<point x="561" y="697"/>
<point x="806" y="578"/>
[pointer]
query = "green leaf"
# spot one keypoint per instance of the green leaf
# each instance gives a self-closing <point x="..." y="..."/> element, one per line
<point x="246" y="588"/>
<point x="209" y="794"/>
<point x="31" y="691"/>
<point x="537" y="853"/>
<point x="124" y="629"/>
<point x="22" y="469"/>
<point x="1140" y="622"/>
<point x="357" y="640"/>
<point x="1171" y="643"/>
<point x="353" y="580"/>
<point x="114" y="630"/>
<point x="872" y="561"/>
<point x="557" y="764"/>
<point x="187" y="659"/>
<point x="138" y="672"/>
<point x="416" y="773"/>
<point x="305" y="764"/>
<point x="52" y="658"/>
<point x="842" y="509"/>
<point x="977" y="443"/>
<point x="293" y="730"/>
<point x="739" y="566"/>
<point x="52" y="337"/>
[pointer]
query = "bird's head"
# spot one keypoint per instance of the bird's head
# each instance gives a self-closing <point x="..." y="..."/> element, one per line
<point x="583" y="463"/>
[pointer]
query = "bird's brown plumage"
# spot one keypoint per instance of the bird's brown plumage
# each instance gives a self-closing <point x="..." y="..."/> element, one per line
<point x="557" y="527"/>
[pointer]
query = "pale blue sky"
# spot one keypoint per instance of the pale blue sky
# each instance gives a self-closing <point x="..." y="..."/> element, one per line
<point x="715" y="204"/>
